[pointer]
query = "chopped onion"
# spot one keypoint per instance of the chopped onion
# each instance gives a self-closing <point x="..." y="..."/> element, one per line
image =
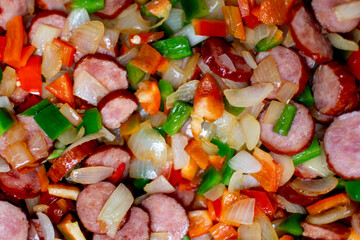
<point x="215" y="9"/>
<point x="250" y="232"/>
<point x="143" y="169"/>
<point x="287" y="91"/>
<point x="263" y="31"/>
<point x="226" y="62"/>
<point x="250" y="38"/>
<point x="267" y="230"/>
<point x="319" y="164"/>
<point x="64" y="191"/>
<point x="5" y="103"/>
<point x="30" y="5"/>
<point x="87" y="138"/>
<point x="355" y="35"/>
<point x="70" y="114"/>
<point x="30" y="203"/>
<point x="147" y="144"/>
<point x="46" y="226"/>
<point x="236" y="181"/>
<point x="240" y="212"/>
<point x="90" y="175"/>
<point x="17" y="133"/>
<point x="288" y="39"/>
<point x="71" y="135"/>
<point x="251" y="129"/>
<point x="38" y="146"/>
<point x="208" y="130"/>
<point x="110" y="39"/>
<point x="8" y="82"/>
<point x="181" y="157"/>
<point x="329" y="216"/>
<point x="185" y="92"/>
<point x="18" y="155"/>
<point x="245" y="162"/>
<point x="124" y="59"/>
<point x="176" y="19"/>
<point x="159" y="236"/>
<point x="341" y="43"/>
<point x="215" y="192"/>
<point x="253" y="110"/>
<point x="249" y="182"/>
<point x="267" y="72"/>
<point x="115" y="209"/>
<point x="225" y="126"/>
<point x="51" y="62"/>
<point x="248" y="96"/>
<point x="158" y="119"/>
<point x="189" y="32"/>
<point x="190" y="67"/>
<point x="140" y="198"/>
<point x="174" y="75"/>
<point x="159" y="185"/>
<point x="130" y="21"/>
<point x="209" y="147"/>
<point x="249" y="59"/>
<point x="88" y="88"/>
<point x="75" y="18"/>
<point x="110" y="137"/>
<point x="40" y="208"/>
<point x="273" y="112"/>
<point x="4" y="167"/>
<point x="287" y="164"/>
<point x="314" y="187"/>
<point x="291" y="207"/>
<point x="44" y="34"/>
<point x="355" y="222"/>
<point x="87" y="36"/>
<point x="348" y="10"/>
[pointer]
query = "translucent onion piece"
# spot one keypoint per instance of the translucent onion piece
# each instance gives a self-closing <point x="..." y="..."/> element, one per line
<point x="253" y="110"/>
<point x="40" y="208"/>
<point x="209" y="147"/>
<point x="147" y="144"/>
<point x="178" y="144"/>
<point x="70" y="114"/>
<point x="267" y="230"/>
<point x="189" y="32"/>
<point x="4" y="167"/>
<point x="30" y="4"/>
<point x="158" y="119"/>
<point x="130" y="21"/>
<point x="76" y="18"/>
<point x="267" y="72"/>
<point x="143" y="169"/>
<point x="176" y="19"/>
<point x="18" y="155"/>
<point x="355" y="35"/>
<point x="17" y="133"/>
<point x="245" y="162"/>
<point x="46" y="226"/>
<point x="249" y="59"/>
<point x="347" y="11"/>
<point x="174" y="75"/>
<point x="44" y="34"/>
<point x="71" y="135"/>
<point x="190" y="67"/>
<point x="263" y="31"/>
<point x="185" y="92"/>
<point x="159" y="185"/>
<point x="355" y="222"/>
<point x="329" y="216"/>
<point x="341" y="43"/>
<point x="248" y="96"/>
<point x="251" y="129"/>
<point x="89" y="137"/>
<point x="287" y="91"/>
<point x="250" y="38"/>
<point x="110" y="39"/>
<point x="115" y="209"/>
<point x="314" y="187"/>
<point x="5" y="103"/>
<point x="110" y="137"/>
<point x="288" y="166"/>
<point x="215" y="192"/>
<point x="87" y="36"/>
<point x="124" y="59"/>
<point x="208" y="130"/>
<point x="51" y="62"/>
<point x="30" y="203"/>
<point x="250" y="232"/>
<point x="8" y="83"/>
<point x="38" y="146"/>
<point x="225" y="61"/>
<point x="291" y="207"/>
<point x="288" y="39"/>
<point x="249" y="182"/>
<point x="64" y="191"/>
<point x="236" y="181"/>
<point x="90" y="175"/>
<point x="225" y="126"/>
<point x="240" y="212"/>
<point x="273" y="112"/>
<point x="159" y="236"/>
<point x="88" y="88"/>
<point x="319" y="164"/>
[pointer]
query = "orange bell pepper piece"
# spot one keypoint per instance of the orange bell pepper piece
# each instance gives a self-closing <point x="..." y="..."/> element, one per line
<point x="149" y="97"/>
<point x="158" y="8"/>
<point x="188" y="172"/>
<point x="223" y="231"/>
<point x="68" y="52"/>
<point x="327" y="203"/>
<point x="216" y="161"/>
<point x="235" y="26"/>
<point x="246" y="6"/>
<point x="62" y="89"/>
<point x="164" y="65"/>
<point x="43" y="179"/>
<point x="214" y="209"/>
<point x="197" y="154"/>
<point x="29" y="76"/>
<point x="148" y="59"/>
<point x="14" y="41"/>
<point x="275" y="12"/>
<point x="200" y="223"/>
<point x="209" y="27"/>
<point x="130" y="126"/>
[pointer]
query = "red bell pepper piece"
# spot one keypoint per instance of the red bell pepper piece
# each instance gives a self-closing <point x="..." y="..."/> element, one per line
<point x="115" y="177"/>
<point x="14" y="41"/>
<point x="62" y="89"/>
<point x="148" y="59"/>
<point x="214" y="208"/>
<point x="186" y="185"/>
<point x="149" y="97"/>
<point x="251" y="21"/>
<point x="245" y="7"/>
<point x="28" y="103"/>
<point x="209" y="27"/>
<point x="159" y="8"/>
<point x="274" y="12"/>
<point x="261" y="200"/>
<point x="223" y="231"/>
<point x="175" y="176"/>
<point x="142" y="38"/>
<point x="354" y="63"/>
<point x="2" y="47"/>
<point x="25" y="55"/>
<point x="68" y="52"/>
<point x="29" y="76"/>
<point x="200" y="223"/>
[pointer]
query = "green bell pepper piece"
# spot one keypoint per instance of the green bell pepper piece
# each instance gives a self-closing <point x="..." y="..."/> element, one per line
<point x="6" y="121"/>
<point x="226" y="169"/>
<point x="178" y="116"/>
<point x="56" y="153"/>
<point x="292" y="224"/>
<point x="186" y="238"/>
<point x="134" y="73"/>
<point x="165" y="89"/>
<point x="140" y="183"/>
<point x="306" y="97"/>
<point x="90" y="5"/>
<point x="36" y="108"/>
<point x="211" y="178"/>
<point x="174" y="48"/>
<point x="353" y="190"/>
<point x="231" y="109"/>
<point x="223" y="148"/>
<point x="92" y="121"/>
<point x="194" y="9"/>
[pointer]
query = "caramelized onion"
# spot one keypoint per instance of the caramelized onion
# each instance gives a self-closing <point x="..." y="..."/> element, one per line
<point x="8" y="82"/>
<point x="273" y="112"/>
<point x="38" y="145"/>
<point x="267" y="72"/>
<point x="286" y="92"/>
<point x="314" y="187"/>
<point x="329" y="216"/>
<point x="17" y="133"/>
<point x="70" y="114"/>
<point x="18" y="155"/>
<point x="51" y="62"/>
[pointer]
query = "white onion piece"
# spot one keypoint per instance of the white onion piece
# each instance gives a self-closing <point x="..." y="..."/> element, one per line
<point x="159" y="185"/>
<point x="291" y="207"/>
<point x="287" y="164"/>
<point x="253" y="110"/>
<point x="249" y="59"/>
<point x="263" y="31"/>
<point x="250" y="38"/>
<point x="250" y="232"/>
<point x="189" y="32"/>
<point x="71" y="135"/>
<point x="44" y="34"/>
<point x="87" y="138"/>
<point x="329" y="216"/>
<point x="140" y="198"/>
<point x="215" y="9"/>
<point x="348" y="10"/>
<point x="267" y="230"/>
<point x="110" y="39"/>
<point x="355" y="222"/>
<point x="30" y="203"/>
<point x="124" y="59"/>
<point x="251" y="129"/>
<point x="237" y="139"/>
<point x="190" y="67"/>
<point x="5" y="103"/>
<point x="143" y="169"/>
<point x="249" y="182"/>
<point x="88" y="88"/>
<point x="185" y="92"/>
<point x="287" y="91"/>
<point x="319" y="164"/>
<point x="341" y="43"/>
<point x="90" y="175"/>
<point x="209" y="147"/>
<point x="46" y="226"/>
<point x="64" y="191"/>
<point x="236" y="181"/>
<point x="215" y="192"/>
<point x="159" y="236"/>
<point x="87" y="36"/>
<point x="158" y="119"/>
<point x="130" y="21"/>
<point x="18" y="155"/>
<point x="225" y="126"/>
<point x="8" y="83"/>
<point x="17" y="133"/>
<point x="288" y="39"/>
<point x="273" y="112"/>
<point x="314" y="187"/>
<point x="181" y="157"/>
<point x="267" y="72"/>
<point x="38" y="146"/>
<point x="240" y="212"/>
<point x="40" y="208"/>
<point x="110" y="137"/>
<point x="355" y="35"/>
<point x="174" y="75"/>
<point x="248" y="96"/>
<point x="245" y="162"/>
<point x="4" y="167"/>
<point x="208" y="130"/>
<point x="75" y="18"/>
<point x="51" y="62"/>
<point x="176" y="19"/>
<point x="225" y="61"/>
<point x="147" y="144"/>
<point x="70" y="114"/>
<point x="115" y="209"/>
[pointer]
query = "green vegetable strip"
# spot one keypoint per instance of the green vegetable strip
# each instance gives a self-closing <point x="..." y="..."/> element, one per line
<point x="56" y="153"/>
<point x="285" y="121"/>
<point x="160" y="130"/>
<point x="341" y="183"/>
<point x="90" y="5"/>
<point x="36" y="108"/>
<point x="292" y="224"/>
<point x="165" y="89"/>
<point x="306" y="97"/>
<point x="52" y="121"/>
<point x="6" y="121"/>
<point x="313" y="151"/>
<point x="135" y="74"/>
<point x="179" y="114"/>
<point x="269" y="43"/>
<point x="223" y="148"/>
<point x="231" y="109"/>
<point x="1" y="75"/>
<point x="194" y="9"/>
<point x="186" y="238"/>
<point x="140" y="183"/>
<point x="92" y="121"/>
<point x="174" y="48"/>
<point x="353" y="190"/>
<point x="226" y="169"/>
<point x="211" y="178"/>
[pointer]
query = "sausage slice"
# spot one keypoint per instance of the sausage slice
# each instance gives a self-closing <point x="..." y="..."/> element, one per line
<point x="113" y="8"/>
<point x="331" y="231"/>
<point x="137" y="227"/>
<point x="51" y="4"/>
<point x="10" y="9"/>
<point x="13" y="222"/>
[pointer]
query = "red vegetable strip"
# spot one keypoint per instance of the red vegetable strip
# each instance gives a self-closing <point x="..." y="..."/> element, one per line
<point x="327" y="203"/>
<point x="14" y="41"/>
<point x="148" y="59"/>
<point x="142" y="38"/>
<point x="115" y="177"/>
<point x="234" y="22"/>
<point x="43" y="179"/>
<point x="262" y="200"/>
<point x="209" y="27"/>
<point x="68" y="52"/>
<point x="29" y="76"/>
<point x="223" y="231"/>
<point x="2" y="47"/>
<point x="62" y="89"/>
<point x="251" y="21"/>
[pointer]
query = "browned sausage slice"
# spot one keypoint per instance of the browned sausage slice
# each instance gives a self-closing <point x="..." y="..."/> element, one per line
<point x="335" y="90"/>
<point x="297" y="198"/>
<point x="308" y="37"/>
<point x="331" y="231"/>
<point x="323" y="10"/>
<point x="51" y="4"/>
<point x="166" y="215"/>
<point x="113" y="8"/>
<point x="299" y="137"/>
<point x="10" y="9"/>
<point x="116" y="108"/>
<point x="137" y="227"/>
<point x="13" y="222"/>
<point x="341" y="142"/>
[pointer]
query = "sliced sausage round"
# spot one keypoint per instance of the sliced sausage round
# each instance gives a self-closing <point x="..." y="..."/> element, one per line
<point x="110" y="156"/>
<point x="297" y="198"/>
<point x="113" y="8"/>
<point x="323" y="10"/>
<point x="223" y="61"/>
<point x="13" y="222"/>
<point x="335" y="90"/>
<point x="186" y="198"/>
<point x="137" y="227"/>
<point x="167" y="215"/>
<point x="308" y="37"/>
<point x="299" y="137"/>
<point x="342" y="145"/>
<point x="318" y="116"/>
<point x="116" y="107"/>
<point x="290" y="65"/>
<point x="331" y="231"/>
<point x="51" y="4"/>
<point x="10" y="9"/>
<point x="20" y="185"/>
<point x="105" y="69"/>
<point x="53" y="18"/>
<point x="19" y="96"/>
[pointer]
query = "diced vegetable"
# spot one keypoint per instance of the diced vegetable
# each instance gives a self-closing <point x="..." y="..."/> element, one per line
<point x="174" y="48"/>
<point x="306" y="97"/>
<point x="200" y="223"/>
<point x="209" y="27"/>
<point x="179" y="114"/>
<point x="245" y="162"/>
<point x="194" y="9"/>
<point x="67" y="50"/>
<point x="148" y="59"/>
<point x="92" y="121"/>
<point x="70" y="228"/>
<point x="234" y="22"/>
<point x="159" y="185"/>
<point x="36" y="108"/>
<point x="211" y="178"/>
<point x="166" y="90"/>
<point x="14" y="41"/>
<point x="64" y="191"/>
<point x="270" y="42"/>
<point x="149" y="96"/>
<point x="90" y="175"/>
<point x="273" y="11"/>
<point x="354" y="63"/>
<point x="6" y="121"/>
<point x="131" y="126"/>
<point x="328" y="203"/>
<point x="313" y="151"/>
<point x="353" y="190"/>
<point x="292" y="224"/>
<point x="159" y="8"/>
<point x="314" y="187"/>
<point x="286" y="119"/>
<point x="29" y="76"/>
<point x="197" y="154"/>
<point x="90" y="5"/>
<point x="142" y="38"/>
<point x="62" y="89"/>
